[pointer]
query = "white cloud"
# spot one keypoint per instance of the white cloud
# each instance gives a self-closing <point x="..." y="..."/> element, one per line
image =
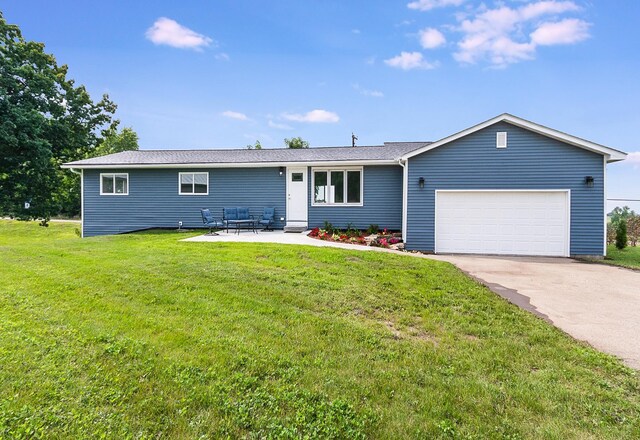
<point x="633" y="159"/>
<point x="280" y="126"/>
<point x="367" y="92"/>
<point x="499" y="35"/>
<point x="568" y="31"/>
<point x="405" y="23"/>
<point x="409" y="61"/>
<point x="315" y="116"/>
<point x="171" y="33"/>
<point x="427" y="5"/>
<point x="431" y="38"/>
<point x="222" y="56"/>
<point x="547" y="7"/>
<point x="235" y="115"/>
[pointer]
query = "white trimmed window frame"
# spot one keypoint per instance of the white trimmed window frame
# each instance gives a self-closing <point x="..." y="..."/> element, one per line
<point x="344" y="170"/>
<point x="113" y="176"/>
<point x="193" y="173"/>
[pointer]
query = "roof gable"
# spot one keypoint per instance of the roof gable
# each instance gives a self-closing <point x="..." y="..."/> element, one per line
<point x="611" y="154"/>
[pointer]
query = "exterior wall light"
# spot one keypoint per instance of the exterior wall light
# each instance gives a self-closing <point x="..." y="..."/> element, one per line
<point x="421" y="182"/>
<point x="588" y="180"/>
<point x="281" y="169"/>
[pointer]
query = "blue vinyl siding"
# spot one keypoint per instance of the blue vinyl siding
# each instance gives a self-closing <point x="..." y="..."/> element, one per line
<point x="382" y="202"/>
<point x="531" y="161"/>
<point x="153" y="199"/>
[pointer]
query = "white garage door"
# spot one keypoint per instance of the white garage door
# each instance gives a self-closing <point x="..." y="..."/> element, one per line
<point x="503" y="222"/>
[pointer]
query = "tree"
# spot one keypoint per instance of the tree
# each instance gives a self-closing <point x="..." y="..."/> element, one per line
<point x="257" y="146"/>
<point x="45" y="120"/>
<point x="621" y="234"/>
<point x="621" y="214"/>
<point x="296" y="142"/>
<point x="611" y="233"/>
<point x="114" y="142"/>
<point x="633" y="229"/>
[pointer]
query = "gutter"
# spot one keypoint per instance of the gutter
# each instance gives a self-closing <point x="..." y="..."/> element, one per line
<point x="234" y="165"/>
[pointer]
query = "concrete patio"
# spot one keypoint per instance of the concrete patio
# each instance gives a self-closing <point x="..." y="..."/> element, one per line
<point x="281" y="237"/>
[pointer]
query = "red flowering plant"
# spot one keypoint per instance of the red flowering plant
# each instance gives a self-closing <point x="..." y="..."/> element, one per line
<point x="314" y="232"/>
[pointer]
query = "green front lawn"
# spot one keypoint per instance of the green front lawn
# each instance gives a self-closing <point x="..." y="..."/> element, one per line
<point x="627" y="257"/>
<point x="141" y="336"/>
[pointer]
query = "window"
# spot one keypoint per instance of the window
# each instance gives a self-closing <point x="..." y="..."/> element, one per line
<point x="337" y="187"/>
<point x="193" y="184"/>
<point x="501" y="139"/>
<point x="114" y="184"/>
<point x="297" y="177"/>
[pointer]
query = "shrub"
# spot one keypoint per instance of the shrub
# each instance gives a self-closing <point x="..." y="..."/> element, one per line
<point x="373" y="229"/>
<point x="352" y="231"/>
<point x="621" y="234"/>
<point x="314" y="232"/>
<point x="328" y="227"/>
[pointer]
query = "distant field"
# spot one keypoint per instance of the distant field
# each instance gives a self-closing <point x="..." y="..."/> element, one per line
<point x="144" y="336"/>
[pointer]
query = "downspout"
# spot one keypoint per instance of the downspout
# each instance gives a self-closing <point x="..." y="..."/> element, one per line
<point x="81" y="174"/>
<point x="405" y="196"/>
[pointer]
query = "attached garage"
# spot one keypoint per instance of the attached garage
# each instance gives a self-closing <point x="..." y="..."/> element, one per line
<point x="507" y="186"/>
<point x="503" y="222"/>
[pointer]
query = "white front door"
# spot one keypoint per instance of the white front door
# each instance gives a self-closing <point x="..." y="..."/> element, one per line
<point x="297" y="196"/>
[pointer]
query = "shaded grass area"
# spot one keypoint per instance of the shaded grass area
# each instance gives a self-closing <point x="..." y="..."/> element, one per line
<point x="628" y="257"/>
<point x="141" y="335"/>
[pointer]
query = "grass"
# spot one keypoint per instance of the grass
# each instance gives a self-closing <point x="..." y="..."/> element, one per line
<point x="628" y="257"/>
<point x="141" y="336"/>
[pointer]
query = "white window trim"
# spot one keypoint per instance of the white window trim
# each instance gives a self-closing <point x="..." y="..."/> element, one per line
<point x="192" y="193"/>
<point x="102" y="193"/>
<point x="343" y="169"/>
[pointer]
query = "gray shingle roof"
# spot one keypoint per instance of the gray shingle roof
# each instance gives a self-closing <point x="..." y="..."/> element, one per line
<point x="388" y="151"/>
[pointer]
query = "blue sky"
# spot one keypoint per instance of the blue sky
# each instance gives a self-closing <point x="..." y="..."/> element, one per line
<point x="216" y="74"/>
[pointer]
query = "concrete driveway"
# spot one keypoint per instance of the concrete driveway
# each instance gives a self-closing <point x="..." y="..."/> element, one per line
<point x="592" y="302"/>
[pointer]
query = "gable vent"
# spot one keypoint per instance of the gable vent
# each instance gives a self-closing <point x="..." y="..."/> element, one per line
<point x="501" y="139"/>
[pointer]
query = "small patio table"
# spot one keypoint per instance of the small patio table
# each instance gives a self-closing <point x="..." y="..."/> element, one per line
<point x="249" y="223"/>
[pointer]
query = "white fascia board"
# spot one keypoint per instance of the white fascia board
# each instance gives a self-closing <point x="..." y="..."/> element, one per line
<point x="236" y="165"/>
<point x="611" y="154"/>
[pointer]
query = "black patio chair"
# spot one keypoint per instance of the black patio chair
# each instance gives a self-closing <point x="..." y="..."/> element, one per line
<point x="210" y="222"/>
<point x="267" y="218"/>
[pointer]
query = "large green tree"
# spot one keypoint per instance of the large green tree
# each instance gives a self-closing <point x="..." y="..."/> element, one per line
<point x="45" y="120"/>
<point x="296" y="142"/>
<point x="116" y="142"/>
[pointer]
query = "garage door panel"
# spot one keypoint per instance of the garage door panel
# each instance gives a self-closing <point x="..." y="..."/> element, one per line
<point x="502" y="222"/>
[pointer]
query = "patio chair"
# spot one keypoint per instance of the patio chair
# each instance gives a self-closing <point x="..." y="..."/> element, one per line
<point x="267" y="219"/>
<point x="209" y="221"/>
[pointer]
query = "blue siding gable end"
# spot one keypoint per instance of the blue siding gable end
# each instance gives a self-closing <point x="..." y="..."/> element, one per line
<point x="530" y="161"/>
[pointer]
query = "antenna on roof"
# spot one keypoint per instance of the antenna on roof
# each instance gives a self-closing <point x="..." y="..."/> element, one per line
<point x="354" y="138"/>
